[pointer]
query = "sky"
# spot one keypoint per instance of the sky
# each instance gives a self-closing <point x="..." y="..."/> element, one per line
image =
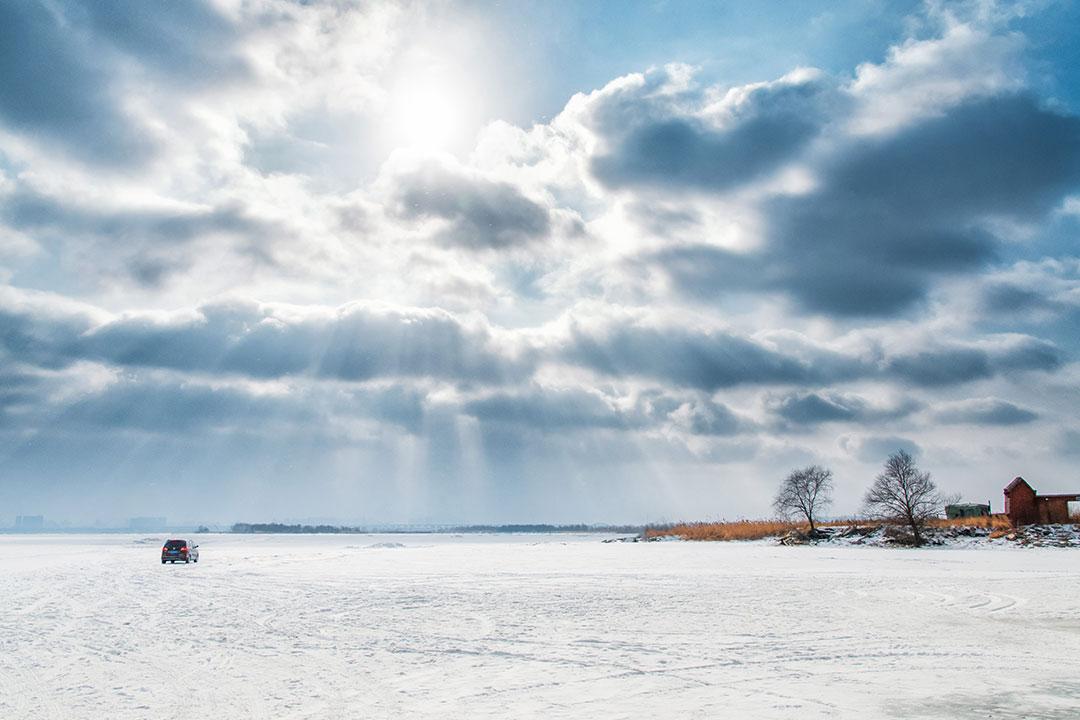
<point x="433" y="262"/>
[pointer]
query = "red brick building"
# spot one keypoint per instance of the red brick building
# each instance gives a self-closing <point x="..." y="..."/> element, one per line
<point x="1024" y="506"/>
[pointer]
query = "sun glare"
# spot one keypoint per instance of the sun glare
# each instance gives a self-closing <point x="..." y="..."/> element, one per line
<point x="426" y="114"/>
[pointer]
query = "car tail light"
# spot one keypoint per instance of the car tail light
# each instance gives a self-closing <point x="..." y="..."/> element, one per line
<point x="183" y="549"/>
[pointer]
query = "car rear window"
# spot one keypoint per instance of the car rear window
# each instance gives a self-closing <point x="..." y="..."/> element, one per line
<point x="175" y="543"/>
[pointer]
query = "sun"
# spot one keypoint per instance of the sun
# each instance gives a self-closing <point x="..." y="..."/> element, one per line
<point x="425" y="114"/>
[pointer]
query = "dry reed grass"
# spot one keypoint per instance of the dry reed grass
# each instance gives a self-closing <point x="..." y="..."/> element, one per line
<point x="758" y="529"/>
<point x="990" y="522"/>
<point x="736" y="530"/>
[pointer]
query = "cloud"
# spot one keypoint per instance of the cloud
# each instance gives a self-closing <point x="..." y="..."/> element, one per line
<point x="984" y="411"/>
<point x="354" y="342"/>
<point x="56" y="90"/>
<point x="715" y="359"/>
<point x="147" y="243"/>
<point x="814" y="408"/>
<point x="561" y="409"/>
<point x="877" y="448"/>
<point x="69" y="78"/>
<point x="753" y="130"/>
<point x="703" y="416"/>
<point x="923" y="78"/>
<point x="167" y="403"/>
<point x="1038" y="291"/>
<point x="550" y="409"/>
<point x="915" y="202"/>
<point x="921" y="201"/>
<point x="29" y="210"/>
<point x="1002" y="297"/>
<point x="667" y="276"/>
<point x="162" y="405"/>
<point x="193" y="42"/>
<point x="18" y="389"/>
<point x="691" y="358"/>
<point x="479" y="213"/>
<point x="1069" y="443"/>
<point x="953" y="363"/>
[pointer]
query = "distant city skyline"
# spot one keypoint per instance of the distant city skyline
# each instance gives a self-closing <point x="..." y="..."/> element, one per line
<point x="551" y="262"/>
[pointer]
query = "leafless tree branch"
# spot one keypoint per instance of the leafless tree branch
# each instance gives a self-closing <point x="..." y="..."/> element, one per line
<point x="804" y="492"/>
<point x="902" y="493"/>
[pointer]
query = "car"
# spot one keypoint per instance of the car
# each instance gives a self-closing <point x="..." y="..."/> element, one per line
<point x="177" y="550"/>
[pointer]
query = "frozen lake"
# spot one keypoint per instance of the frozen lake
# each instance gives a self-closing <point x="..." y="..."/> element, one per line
<point x="524" y="626"/>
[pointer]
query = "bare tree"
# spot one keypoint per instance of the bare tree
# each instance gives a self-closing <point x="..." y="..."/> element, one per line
<point x="804" y="492"/>
<point x="904" y="494"/>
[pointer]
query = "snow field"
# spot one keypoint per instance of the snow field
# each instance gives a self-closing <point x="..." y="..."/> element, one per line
<point x="360" y="626"/>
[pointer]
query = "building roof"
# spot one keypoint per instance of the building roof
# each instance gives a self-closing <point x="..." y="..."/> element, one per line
<point x="1061" y="496"/>
<point x="1017" y="482"/>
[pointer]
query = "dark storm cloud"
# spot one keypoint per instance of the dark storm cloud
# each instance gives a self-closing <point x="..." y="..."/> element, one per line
<point x="482" y="213"/>
<point x="985" y="411"/>
<point x="767" y="128"/>
<point x="61" y="62"/>
<point x="354" y="342"/>
<point x="892" y="214"/>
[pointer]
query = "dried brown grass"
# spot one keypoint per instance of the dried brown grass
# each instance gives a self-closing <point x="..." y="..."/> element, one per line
<point x="758" y="529"/>
<point x="736" y="530"/>
<point x="990" y="522"/>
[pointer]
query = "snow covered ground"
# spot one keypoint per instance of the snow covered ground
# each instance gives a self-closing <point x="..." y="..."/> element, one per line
<point x="554" y="626"/>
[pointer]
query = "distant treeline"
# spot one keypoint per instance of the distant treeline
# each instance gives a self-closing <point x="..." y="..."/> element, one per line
<point x="291" y="529"/>
<point x="580" y="528"/>
<point x="281" y="528"/>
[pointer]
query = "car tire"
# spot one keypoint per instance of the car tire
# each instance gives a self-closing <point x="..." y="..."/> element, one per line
<point x="162" y="562"/>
